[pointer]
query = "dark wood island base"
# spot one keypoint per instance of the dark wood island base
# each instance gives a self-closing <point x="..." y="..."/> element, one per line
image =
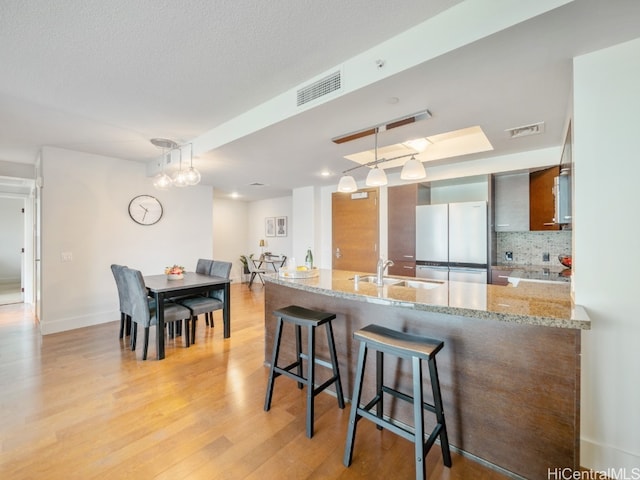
<point x="511" y="391"/>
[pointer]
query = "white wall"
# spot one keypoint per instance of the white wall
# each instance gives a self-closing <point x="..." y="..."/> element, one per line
<point x="258" y="211"/>
<point x="85" y="202"/>
<point x="230" y="231"/>
<point x="606" y="253"/>
<point x="11" y="238"/>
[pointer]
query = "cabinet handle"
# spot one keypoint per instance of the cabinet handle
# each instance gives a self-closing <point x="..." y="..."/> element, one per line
<point x="549" y="224"/>
<point x="503" y="225"/>
<point x="408" y="267"/>
<point x="407" y="256"/>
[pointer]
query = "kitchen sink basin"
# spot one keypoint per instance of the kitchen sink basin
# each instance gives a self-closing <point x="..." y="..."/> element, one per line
<point x="396" y="282"/>
<point x="419" y="284"/>
<point x="385" y="280"/>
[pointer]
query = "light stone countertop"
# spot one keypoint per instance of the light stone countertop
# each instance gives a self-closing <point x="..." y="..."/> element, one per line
<point x="530" y="303"/>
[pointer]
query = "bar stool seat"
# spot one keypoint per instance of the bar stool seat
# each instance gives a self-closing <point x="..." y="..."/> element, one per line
<point x="415" y="348"/>
<point x="303" y="317"/>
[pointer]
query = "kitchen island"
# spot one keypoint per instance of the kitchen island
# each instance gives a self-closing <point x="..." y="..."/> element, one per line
<point x="509" y="371"/>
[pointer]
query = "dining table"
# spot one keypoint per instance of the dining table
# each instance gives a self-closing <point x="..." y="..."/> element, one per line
<point x="275" y="261"/>
<point x="161" y="287"/>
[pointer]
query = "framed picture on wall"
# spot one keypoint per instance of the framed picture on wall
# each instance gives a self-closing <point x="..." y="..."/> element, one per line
<point x="281" y="226"/>
<point x="270" y="227"/>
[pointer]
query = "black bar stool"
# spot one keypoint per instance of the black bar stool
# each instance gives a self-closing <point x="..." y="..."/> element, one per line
<point x="303" y="317"/>
<point x="415" y="348"/>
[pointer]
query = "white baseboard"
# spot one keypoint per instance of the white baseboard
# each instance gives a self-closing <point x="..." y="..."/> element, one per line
<point x="63" y="324"/>
<point x="608" y="459"/>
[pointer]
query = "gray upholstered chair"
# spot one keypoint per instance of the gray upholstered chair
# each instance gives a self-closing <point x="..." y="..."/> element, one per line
<point x="125" y="319"/>
<point x="203" y="266"/>
<point x="210" y="303"/>
<point x="137" y="304"/>
<point x="254" y="270"/>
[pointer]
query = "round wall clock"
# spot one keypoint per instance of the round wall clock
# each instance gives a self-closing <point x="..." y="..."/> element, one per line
<point x="145" y="210"/>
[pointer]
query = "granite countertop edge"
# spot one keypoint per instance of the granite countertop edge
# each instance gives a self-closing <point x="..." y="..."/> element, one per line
<point x="578" y="317"/>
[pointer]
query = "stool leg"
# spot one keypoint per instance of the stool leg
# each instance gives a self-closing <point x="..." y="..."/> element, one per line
<point x="274" y="360"/>
<point x="418" y="418"/>
<point x="311" y="366"/>
<point x="334" y="363"/>
<point x="355" y="404"/>
<point x="379" y="384"/>
<point x="437" y="403"/>
<point x="299" y="353"/>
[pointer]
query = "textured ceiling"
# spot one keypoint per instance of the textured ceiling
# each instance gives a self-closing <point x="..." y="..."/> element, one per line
<point x="105" y="77"/>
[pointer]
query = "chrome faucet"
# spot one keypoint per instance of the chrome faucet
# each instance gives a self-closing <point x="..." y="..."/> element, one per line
<point x="382" y="265"/>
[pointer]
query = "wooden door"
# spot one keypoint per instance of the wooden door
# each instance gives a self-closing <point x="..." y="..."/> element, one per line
<point x="355" y="230"/>
<point x="541" y="199"/>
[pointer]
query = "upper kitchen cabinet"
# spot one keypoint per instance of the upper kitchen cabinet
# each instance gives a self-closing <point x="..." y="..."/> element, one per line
<point x="527" y="201"/>
<point x="402" y="201"/>
<point x="542" y="199"/>
<point x="511" y="202"/>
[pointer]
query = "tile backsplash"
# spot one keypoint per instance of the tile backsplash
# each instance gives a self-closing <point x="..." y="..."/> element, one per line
<point x="529" y="247"/>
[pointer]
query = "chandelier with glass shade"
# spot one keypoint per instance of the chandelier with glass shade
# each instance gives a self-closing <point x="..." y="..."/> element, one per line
<point x="182" y="177"/>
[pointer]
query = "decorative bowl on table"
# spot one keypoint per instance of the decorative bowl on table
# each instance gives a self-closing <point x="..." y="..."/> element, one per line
<point x="174" y="273"/>
<point x="565" y="260"/>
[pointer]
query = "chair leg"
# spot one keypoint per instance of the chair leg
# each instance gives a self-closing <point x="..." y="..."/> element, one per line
<point x="134" y="336"/>
<point x="311" y="369"/>
<point x="418" y="419"/>
<point x="274" y="363"/>
<point x="186" y="335"/>
<point x="355" y="404"/>
<point x="146" y="342"/>
<point x="123" y="321"/>
<point x="437" y="403"/>
<point x="379" y="384"/>
<point x="194" y="321"/>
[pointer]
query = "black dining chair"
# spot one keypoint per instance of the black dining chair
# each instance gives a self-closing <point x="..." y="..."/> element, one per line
<point x="206" y="305"/>
<point x="138" y="308"/>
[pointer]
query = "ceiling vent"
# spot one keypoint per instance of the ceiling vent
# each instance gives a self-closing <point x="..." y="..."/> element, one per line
<point x="256" y="184"/>
<point x="526" y="130"/>
<point x="318" y="89"/>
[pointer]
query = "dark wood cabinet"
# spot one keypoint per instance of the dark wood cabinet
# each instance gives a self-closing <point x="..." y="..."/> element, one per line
<point x="541" y="199"/>
<point x="401" y="239"/>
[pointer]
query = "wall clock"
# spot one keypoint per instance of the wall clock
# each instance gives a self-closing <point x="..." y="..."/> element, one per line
<point x="145" y="210"/>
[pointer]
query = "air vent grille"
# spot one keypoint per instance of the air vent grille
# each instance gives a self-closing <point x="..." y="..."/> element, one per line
<point x="318" y="89"/>
<point x="526" y="130"/>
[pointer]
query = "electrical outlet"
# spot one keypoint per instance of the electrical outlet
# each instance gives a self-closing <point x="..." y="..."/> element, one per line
<point x="508" y="256"/>
<point x="66" y="256"/>
<point x="545" y="257"/>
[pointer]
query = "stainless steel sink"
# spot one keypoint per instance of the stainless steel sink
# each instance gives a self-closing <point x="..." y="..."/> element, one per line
<point x="419" y="284"/>
<point x="385" y="280"/>
<point x="396" y="282"/>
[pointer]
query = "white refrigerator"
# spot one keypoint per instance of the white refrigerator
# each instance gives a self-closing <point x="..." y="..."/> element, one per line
<point x="451" y="241"/>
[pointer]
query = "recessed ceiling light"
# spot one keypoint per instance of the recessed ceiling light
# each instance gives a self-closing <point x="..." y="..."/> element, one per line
<point x="325" y="173"/>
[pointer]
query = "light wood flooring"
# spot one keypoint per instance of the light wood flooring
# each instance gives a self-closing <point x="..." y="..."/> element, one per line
<point x="81" y="405"/>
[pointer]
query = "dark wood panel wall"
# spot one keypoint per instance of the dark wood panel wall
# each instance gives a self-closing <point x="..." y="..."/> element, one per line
<point x="511" y="392"/>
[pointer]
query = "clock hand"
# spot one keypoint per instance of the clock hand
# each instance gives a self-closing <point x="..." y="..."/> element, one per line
<point x="145" y="214"/>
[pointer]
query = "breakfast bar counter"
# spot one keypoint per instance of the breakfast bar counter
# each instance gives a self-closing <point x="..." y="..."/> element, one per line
<point x="509" y="370"/>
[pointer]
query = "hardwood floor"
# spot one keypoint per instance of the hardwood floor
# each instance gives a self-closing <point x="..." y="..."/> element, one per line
<point x="81" y="405"/>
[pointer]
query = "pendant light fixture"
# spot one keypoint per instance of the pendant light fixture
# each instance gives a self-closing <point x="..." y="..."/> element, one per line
<point x="179" y="178"/>
<point x="192" y="176"/>
<point x="413" y="170"/>
<point x="376" y="176"/>
<point x="347" y="184"/>
<point x="162" y="181"/>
